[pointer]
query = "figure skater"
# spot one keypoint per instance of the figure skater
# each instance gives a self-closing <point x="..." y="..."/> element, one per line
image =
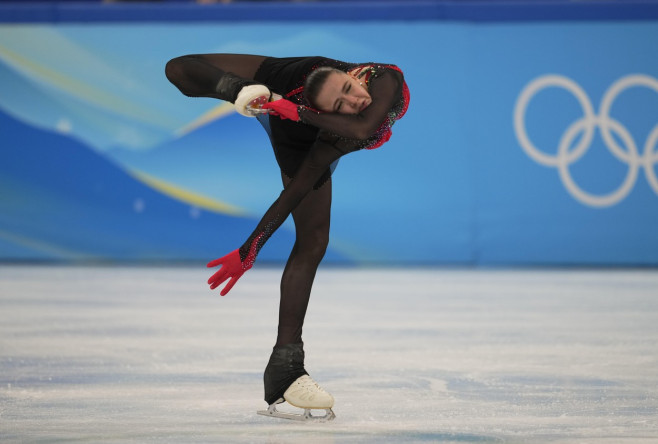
<point x="315" y="110"/>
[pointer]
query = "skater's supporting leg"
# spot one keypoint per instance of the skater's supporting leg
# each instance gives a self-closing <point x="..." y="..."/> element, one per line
<point x="286" y="380"/>
<point x="312" y="219"/>
<point x="285" y="366"/>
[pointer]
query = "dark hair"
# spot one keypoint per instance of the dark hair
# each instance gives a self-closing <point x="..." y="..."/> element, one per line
<point x="314" y="83"/>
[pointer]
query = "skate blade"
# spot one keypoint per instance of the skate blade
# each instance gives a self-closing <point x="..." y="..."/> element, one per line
<point x="255" y="112"/>
<point x="305" y="417"/>
<point x="255" y="106"/>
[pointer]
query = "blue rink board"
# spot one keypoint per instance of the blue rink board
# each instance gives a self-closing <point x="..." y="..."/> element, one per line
<point x="493" y="164"/>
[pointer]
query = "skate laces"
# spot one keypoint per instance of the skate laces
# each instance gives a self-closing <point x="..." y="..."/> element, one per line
<point x="307" y="394"/>
<point x="308" y="384"/>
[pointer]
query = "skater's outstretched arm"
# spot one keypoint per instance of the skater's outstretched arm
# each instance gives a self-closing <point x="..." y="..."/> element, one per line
<point x="235" y="264"/>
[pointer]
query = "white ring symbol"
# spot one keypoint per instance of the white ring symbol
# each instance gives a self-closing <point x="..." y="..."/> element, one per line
<point x="586" y="125"/>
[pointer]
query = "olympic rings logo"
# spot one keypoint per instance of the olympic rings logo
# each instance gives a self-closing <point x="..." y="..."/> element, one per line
<point x="587" y="124"/>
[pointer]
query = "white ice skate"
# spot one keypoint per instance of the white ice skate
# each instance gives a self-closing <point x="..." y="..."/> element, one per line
<point x="305" y="394"/>
<point x="251" y="99"/>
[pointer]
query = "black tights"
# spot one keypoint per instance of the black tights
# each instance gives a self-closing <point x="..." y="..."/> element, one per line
<point x="197" y="76"/>
<point x="311" y="217"/>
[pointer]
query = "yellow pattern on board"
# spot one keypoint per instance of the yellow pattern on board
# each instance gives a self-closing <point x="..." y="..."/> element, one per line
<point x="215" y="113"/>
<point x="76" y="88"/>
<point x="187" y="196"/>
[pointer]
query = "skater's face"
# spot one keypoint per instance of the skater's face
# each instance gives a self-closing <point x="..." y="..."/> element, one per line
<point x="344" y="94"/>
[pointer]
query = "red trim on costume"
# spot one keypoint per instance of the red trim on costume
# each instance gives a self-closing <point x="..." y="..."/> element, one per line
<point x="386" y="125"/>
<point x="405" y="92"/>
<point x="294" y="92"/>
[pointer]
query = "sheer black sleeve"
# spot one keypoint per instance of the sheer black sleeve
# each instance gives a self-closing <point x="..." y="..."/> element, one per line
<point x="385" y="89"/>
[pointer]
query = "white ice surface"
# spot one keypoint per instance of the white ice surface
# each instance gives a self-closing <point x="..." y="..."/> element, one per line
<point x="147" y="354"/>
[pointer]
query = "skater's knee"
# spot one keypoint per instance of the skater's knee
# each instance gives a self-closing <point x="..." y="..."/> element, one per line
<point x="176" y="71"/>
<point x="174" y="68"/>
<point x="313" y="244"/>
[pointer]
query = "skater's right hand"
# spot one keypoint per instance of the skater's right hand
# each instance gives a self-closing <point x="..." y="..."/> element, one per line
<point x="283" y="108"/>
<point x="232" y="268"/>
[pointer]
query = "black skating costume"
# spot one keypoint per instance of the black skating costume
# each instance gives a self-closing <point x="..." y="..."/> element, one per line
<point x="307" y="153"/>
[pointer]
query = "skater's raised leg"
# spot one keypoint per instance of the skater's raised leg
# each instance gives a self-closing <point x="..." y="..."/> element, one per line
<point x="229" y="77"/>
<point x="198" y="75"/>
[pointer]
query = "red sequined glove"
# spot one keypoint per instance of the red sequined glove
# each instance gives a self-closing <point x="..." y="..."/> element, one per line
<point x="283" y="108"/>
<point x="232" y="268"/>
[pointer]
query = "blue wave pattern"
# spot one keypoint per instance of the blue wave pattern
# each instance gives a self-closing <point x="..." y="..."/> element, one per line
<point x="63" y="201"/>
<point x="84" y="105"/>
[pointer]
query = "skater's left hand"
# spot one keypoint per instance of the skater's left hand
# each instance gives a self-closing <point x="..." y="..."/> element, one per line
<point x="283" y="108"/>
<point x="232" y="268"/>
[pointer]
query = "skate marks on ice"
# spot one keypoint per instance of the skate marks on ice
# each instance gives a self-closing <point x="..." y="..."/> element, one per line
<point x="150" y="355"/>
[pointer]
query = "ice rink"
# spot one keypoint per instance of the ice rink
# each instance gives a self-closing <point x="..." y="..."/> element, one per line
<point x="149" y="354"/>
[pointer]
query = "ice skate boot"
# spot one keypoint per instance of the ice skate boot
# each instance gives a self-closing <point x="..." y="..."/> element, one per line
<point x="247" y="95"/>
<point x="251" y="98"/>
<point x="286" y="380"/>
